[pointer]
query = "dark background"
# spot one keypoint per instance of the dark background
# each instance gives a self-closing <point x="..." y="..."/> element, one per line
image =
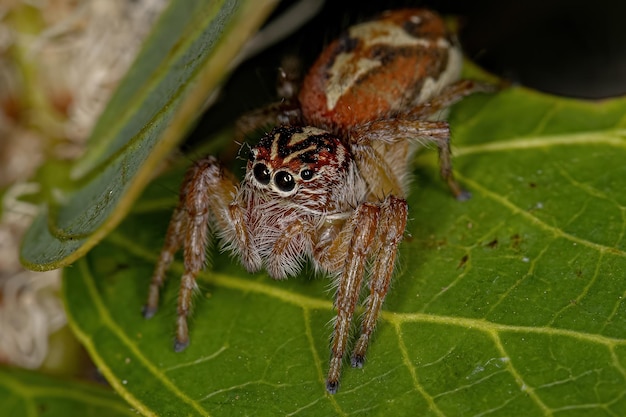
<point x="568" y="48"/>
<point x="572" y="48"/>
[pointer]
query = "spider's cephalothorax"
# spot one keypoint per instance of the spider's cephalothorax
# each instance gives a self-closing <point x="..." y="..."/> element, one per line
<point x="300" y="183"/>
<point x="330" y="188"/>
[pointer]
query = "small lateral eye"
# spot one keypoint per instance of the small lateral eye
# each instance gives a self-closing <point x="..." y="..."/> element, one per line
<point x="261" y="173"/>
<point x="284" y="181"/>
<point x="306" y="174"/>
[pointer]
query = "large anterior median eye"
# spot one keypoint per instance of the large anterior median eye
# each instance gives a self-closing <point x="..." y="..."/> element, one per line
<point x="284" y="181"/>
<point x="261" y="173"/>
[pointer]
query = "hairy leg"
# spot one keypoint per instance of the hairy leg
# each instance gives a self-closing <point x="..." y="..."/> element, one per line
<point x="450" y="95"/>
<point x="363" y="226"/>
<point x="395" y="131"/>
<point x="392" y="222"/>
<point x="206" y="200"/>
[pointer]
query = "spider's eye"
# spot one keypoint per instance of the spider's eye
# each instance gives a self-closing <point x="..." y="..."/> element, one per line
<point x="306" y="174"/>
<point x="284" y="181"/>
<point x="261" y="173"/>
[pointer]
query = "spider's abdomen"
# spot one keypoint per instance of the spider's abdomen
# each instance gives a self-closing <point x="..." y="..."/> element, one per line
<point x="378" y="68"/>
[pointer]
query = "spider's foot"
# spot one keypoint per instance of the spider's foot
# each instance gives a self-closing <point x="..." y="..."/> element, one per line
<point x="148" y="311"/>
<point x="332" y="386"/>
<point x="357" y="361"/>
<point x="463" y="195"/>
<point x="179" y="346"/>
<point x="459" y="193"/>
<point x="485" y="87"/>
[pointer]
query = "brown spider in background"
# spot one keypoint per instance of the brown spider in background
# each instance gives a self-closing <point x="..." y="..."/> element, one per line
<point x="329" y="185"/>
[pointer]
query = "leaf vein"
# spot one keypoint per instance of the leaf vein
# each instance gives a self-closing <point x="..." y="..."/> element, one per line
<point x="407" y="362"/>
<point x="107" y="321"/>
<point x="524" y="387"/>
<point x="541" y="224"/>
<point x="612" y="137"/>
<point x="200" y="360"/>
<point x="583" y="293"/>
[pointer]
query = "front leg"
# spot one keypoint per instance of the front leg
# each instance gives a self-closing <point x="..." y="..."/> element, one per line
<point x="393" y="217"/>
<point x="363" y="226"/>
<point x="207" y="199"/>
<point x="373" y="232"/>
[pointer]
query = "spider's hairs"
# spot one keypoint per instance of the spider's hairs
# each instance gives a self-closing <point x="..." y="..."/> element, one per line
<point x="360" y="310"/>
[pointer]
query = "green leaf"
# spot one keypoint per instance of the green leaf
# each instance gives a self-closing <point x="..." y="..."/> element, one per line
<point x="25" y="393"/>
<point x="182" y="62"/>
<point x="509" y="304"/>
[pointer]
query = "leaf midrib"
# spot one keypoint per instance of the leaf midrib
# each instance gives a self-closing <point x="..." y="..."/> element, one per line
<point x="610" y="137"/>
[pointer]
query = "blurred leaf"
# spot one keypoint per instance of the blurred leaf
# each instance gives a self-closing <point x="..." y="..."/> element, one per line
<point x="181" y="63"/>
<point x="509" y="304"/>
<point x="25" y="393"/>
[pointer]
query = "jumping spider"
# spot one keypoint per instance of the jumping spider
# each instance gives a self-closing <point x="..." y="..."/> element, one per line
<point x="329" y="184"/>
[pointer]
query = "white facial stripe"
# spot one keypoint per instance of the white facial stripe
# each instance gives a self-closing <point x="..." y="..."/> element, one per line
<point x="310" y="130"/>
<point x="274" y="152"/>
<point x="295" y="139"/>
<point x="298" y="153"/>
<point x="299" y="137"/>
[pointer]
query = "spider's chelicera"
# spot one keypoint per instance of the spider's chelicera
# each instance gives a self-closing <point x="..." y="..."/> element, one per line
<point x="328" y="185"/>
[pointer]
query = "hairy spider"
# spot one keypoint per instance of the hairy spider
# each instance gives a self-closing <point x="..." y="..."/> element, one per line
<point x="329" y="184"/>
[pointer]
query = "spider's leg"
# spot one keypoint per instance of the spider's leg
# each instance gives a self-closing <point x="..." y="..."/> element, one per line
<point x="286" y="111"/>
<point x="392" y="132"/>
<point x="174" y="239"/>
<point x="363" y="225"/>
<point x="289" y="78"/>
<point x="173" y="242"/>
<point x="206" y="200"/>
<point x="450" y="95"/>
<point x="378" y="173"/>
<point x="250" y="123"/>
<point x="393" y="217"/>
